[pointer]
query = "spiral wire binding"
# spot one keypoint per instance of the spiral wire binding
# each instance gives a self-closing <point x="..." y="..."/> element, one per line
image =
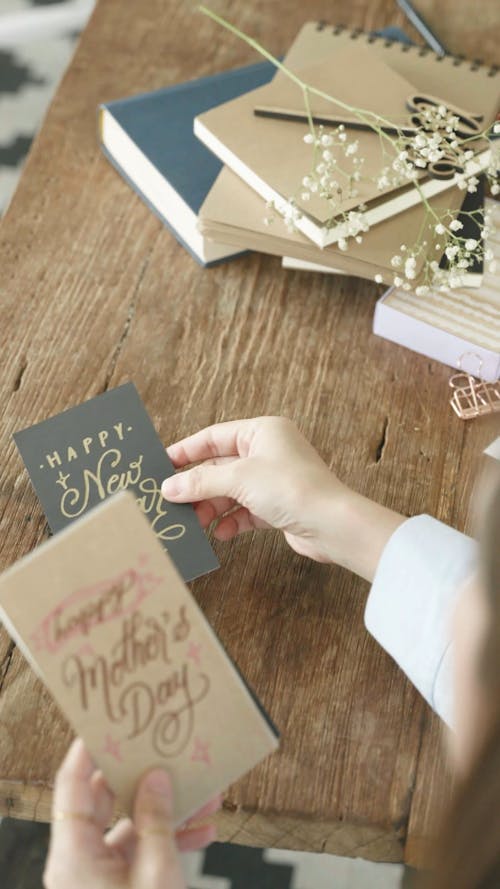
<point x="372" y="37"/>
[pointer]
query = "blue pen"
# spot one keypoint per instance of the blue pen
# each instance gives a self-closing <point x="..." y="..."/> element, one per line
<point x="422" y="27"/>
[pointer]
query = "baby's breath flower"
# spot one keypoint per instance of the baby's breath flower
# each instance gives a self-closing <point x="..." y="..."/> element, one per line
<point x="337" y="168"/>
<point x="410" y="268"/>
<point x="351" y="148"/>
<point x="435" y="155"/>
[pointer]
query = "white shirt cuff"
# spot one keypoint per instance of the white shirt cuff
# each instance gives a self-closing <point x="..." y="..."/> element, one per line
<point x="411" y="601"/>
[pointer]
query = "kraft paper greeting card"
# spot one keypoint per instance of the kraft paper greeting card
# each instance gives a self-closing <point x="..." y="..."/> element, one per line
<point x="104" y="618"/>
<point x="83" y="455"/>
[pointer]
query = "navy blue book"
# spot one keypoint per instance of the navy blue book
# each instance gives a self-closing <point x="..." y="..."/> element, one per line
<point x="149" y="139"/>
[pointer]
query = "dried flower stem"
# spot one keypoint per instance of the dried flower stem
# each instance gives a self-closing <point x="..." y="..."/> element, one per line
<point x="434" y="140"/>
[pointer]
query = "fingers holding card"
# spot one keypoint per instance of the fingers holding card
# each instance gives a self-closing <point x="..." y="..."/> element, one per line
<point x="129" y="657"/>
<point x="82" y="456"/>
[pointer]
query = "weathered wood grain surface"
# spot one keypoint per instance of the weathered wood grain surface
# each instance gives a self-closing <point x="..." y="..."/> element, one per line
<point x="95" y="292"/>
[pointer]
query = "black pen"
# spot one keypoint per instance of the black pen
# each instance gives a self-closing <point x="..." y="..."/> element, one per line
<point x="422" y="27"/>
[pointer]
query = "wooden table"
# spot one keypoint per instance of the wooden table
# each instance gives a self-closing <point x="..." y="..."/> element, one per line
<point x="95" y="292"/>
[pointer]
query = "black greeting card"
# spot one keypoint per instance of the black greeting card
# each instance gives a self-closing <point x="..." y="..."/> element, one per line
<point x="85" y="454"/>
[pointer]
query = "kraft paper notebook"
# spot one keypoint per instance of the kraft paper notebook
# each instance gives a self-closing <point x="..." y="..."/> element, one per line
<point x="89" y="452"/>
<point x="235" y="213"/>
<point x="256" y="148"/>
<point x="388" y="235"/>
<point x="104" y="618"/>
<point x="384" y="92"/>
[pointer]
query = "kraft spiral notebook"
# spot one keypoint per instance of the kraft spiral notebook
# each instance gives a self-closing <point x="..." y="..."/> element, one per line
<point x="235" y="213"/>
<point x="87" y="453"/>
<point x="149" y="139"/>
<point x="388" y="236"/>
<point x="237" y="135"/>
<point x="103" y="617"/>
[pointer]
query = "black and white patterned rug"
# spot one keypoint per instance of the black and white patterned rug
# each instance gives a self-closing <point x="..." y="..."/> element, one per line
<point x="37" y="39"/>
<point x="23" y="848"/>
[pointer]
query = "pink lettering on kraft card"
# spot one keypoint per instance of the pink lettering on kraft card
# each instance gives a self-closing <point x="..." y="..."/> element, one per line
<point x="104" y="618"/>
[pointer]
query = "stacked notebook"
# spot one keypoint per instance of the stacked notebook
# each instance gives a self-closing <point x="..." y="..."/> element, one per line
<point x="260" y="138"/>
<point x="149" y="140"/>
<point x="213" y="186"/>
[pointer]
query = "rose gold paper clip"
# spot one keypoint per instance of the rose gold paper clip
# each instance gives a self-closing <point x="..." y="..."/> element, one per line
<point x="473" y="397"/>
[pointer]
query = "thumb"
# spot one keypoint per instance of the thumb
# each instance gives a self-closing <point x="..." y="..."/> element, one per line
<point x="201" y="483"/>
<point x="156" y="861"/>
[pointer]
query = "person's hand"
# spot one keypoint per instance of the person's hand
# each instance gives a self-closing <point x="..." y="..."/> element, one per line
<point x="258" y="473"/>
<point x="263" y="473"/>
<point x="135" y="854"/>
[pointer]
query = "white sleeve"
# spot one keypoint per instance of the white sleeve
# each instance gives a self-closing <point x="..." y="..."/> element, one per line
<point x="411" y="601"/>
